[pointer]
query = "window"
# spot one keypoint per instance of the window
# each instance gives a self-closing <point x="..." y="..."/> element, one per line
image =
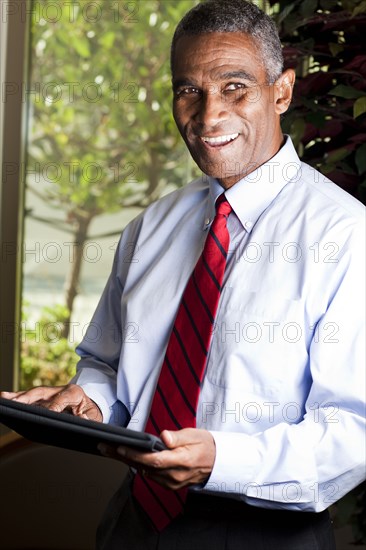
<point x="101" y="146"/>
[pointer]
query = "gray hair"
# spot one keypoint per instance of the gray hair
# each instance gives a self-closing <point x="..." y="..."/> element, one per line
<point x="235" y="16"/>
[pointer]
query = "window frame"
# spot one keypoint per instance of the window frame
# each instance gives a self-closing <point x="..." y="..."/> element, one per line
<point x="15" y="22"/>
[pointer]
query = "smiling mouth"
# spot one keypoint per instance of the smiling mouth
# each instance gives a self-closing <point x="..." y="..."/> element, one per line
<point x="219" y="141"/>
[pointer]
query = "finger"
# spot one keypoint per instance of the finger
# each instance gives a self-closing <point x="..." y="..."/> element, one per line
<point x="34" y="395"/>
<point x="91" y="413"/>
<point x="179" y="438"/>
<point x="85" y="407"/>
<point x="137" y="456"/>
<point x="72" y="398"/>
<point x="84" y="410"/>
<point x="171" y="479"/>
<point x="66" y="398"/>
<point x="10" y="394"/>
<point x="45" y="396"/>
<point x="109" y="451"/>
<point x="133" y="455"/>
<point x="139" y="459"/>
<point x="58" y="399"/>
<point x="69" y="398"/>
<point x="154" y="461"/>
<point x="58" y="405"/>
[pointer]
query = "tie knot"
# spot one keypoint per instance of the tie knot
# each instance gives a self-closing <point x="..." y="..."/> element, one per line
<point x="223" y="206"/>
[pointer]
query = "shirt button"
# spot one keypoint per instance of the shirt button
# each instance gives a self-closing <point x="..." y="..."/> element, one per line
<point x="207" y="221"/>
<point x="248" y="225"/>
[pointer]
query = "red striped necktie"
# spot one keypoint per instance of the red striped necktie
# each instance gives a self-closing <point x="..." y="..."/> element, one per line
<point x="176" y="397"/>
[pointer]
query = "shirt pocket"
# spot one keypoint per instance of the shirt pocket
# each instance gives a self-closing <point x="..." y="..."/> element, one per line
<point x="258" y="343"/>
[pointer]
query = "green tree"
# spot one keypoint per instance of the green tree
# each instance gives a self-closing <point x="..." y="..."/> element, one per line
<point x="102" y="134"/>
<point x="48" y="358"/>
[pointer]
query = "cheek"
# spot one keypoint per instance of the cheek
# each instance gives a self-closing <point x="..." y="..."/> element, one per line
<point x="261" y="118"/>
<point x="175" y="112"/>
<point x="180" y="117"/>
<point x="258" y="101"/>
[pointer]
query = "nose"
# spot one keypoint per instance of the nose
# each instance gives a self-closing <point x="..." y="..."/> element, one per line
<point x="212" y="108"/>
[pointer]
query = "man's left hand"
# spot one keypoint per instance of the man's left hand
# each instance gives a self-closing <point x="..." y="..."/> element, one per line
<point x="188" y="461"/>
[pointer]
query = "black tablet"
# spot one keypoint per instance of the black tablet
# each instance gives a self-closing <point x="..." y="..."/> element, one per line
<point x="70" y="432"/>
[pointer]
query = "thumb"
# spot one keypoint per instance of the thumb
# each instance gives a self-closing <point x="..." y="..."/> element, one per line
<point x="168" y="438"/>
<point x="173" y="439"/>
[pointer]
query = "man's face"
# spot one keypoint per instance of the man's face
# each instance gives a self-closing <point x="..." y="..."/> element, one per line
<point x="224" y="108"/>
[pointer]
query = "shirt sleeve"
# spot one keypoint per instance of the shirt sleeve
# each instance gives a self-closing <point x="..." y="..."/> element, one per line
<point x="311" y="464"/>
<point x="100" y="348"/>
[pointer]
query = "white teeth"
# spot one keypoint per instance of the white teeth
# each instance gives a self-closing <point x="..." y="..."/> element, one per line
<point x="219" y="139"/>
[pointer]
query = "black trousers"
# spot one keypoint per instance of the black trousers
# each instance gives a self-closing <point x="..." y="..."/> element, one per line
<point x="213" y="523"/>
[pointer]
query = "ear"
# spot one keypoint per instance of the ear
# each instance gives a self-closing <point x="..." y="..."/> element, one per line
<point x="283" y="91"/>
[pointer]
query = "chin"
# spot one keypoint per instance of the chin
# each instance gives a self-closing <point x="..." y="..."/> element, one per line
<point x="218" y="172"/>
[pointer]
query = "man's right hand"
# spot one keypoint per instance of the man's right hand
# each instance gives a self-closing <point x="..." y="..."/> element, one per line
<point x="70" y="398"/>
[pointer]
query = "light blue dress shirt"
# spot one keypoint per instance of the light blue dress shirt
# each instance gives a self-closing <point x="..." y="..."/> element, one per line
<point x="284" y="388"/>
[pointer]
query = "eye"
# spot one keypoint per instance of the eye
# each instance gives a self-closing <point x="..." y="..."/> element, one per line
<point x="235" y="86"/>
<point x="186" y="91"/>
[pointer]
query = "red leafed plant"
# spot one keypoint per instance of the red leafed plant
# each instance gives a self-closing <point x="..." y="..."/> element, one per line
<point x="324" y="42"/>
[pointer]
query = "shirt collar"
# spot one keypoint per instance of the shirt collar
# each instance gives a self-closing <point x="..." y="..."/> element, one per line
<point x="250" y="196"/>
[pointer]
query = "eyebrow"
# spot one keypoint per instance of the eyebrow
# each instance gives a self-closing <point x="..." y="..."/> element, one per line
<point x="181" y="83"/>
<point x="242" y="75"/>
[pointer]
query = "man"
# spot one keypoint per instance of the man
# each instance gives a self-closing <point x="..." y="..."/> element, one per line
<point x="278" y="430"/>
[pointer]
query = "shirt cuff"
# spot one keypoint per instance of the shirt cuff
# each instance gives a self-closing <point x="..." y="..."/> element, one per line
<point x="237" y="460"/>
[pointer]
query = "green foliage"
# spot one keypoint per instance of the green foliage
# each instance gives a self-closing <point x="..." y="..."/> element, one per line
<point x="46" y="357"/>
<point x="102" y="116"/>
<point x="102" y="136"/>
<point x="323" y="41"/>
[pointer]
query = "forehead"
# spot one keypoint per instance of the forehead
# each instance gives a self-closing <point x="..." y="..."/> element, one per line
<point x="211" y="55"/>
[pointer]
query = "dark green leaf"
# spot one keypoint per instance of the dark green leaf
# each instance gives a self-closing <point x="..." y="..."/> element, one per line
<point x="297" y="130"/>
<point x="337" y="155"/>
<point x="362" y="191"/>
<point x="308" y="7"/>
<point x="359" y="107"/>
<point x="346" y="91"/>
<point x="361" y="8"/>
<point x="360" y="158"/>
<point x="335" y="49"/>
<point x="283" y="15"/>
<point x="327" y="4"/>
